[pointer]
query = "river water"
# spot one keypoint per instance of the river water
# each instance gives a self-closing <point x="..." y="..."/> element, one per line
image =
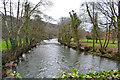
<point x="49" y="58"/>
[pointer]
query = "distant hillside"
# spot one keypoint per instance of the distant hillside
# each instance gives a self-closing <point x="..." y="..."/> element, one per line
<point x="52" y="29"/>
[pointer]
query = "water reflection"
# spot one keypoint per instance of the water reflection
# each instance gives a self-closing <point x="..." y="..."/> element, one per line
<point x="50" y="57"/>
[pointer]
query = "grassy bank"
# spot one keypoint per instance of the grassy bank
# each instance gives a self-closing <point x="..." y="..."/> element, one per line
<point x="90" y="42"/>
<point x="85" y="40"/>
<point x="110" y="52"/>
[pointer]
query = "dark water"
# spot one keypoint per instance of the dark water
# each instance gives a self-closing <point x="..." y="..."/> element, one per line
<point x="49" y="57"/>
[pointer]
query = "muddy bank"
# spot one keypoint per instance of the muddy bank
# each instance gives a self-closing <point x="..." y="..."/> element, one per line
<point x="108" y="53"/>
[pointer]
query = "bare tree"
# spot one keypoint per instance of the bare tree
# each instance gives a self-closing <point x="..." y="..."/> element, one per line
<point x="100" y="9"/>
<point x="18" y="30"/>
<point x="118" y="27"/>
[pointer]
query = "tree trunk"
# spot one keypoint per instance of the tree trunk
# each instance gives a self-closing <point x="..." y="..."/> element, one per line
<point x="7" y="44"/>
<point x="20" y="42"/>
<point x="95" y="24"/>
<point x="113" y="42"/>
<point x="93" y="38"/>
<point x="77" y="40"/>
<point x="93" y="43"/>
<point x="96" y="40"/>
<point x="108" y="38"/>
<point x="118" y="27"/>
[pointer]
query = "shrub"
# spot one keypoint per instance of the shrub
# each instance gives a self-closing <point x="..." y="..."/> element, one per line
<point x="75" y="74"/>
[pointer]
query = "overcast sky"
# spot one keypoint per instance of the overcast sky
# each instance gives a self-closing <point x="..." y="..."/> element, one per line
<point x="60" y="8"/>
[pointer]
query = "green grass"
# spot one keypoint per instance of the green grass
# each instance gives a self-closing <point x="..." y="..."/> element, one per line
<point x="84" y="41"/>
<point x="98" y="45"/>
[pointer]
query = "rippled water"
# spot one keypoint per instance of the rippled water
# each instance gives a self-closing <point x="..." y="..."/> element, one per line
<point x="49" y="58"/>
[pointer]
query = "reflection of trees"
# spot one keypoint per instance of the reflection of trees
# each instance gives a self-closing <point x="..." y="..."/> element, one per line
<point x="118" y="64"/>
<point x="99" y="60"/>
<point x="100" y="64"/>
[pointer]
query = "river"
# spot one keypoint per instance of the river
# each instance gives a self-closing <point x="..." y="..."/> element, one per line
<point x="49" y="58"/>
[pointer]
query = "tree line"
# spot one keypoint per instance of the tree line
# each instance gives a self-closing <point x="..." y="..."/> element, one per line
<point x="24" y="30"/>
<point x="104" y="15"/>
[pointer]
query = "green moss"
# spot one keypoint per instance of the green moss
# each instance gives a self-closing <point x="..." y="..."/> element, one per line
<point x="3" y="45"/>
<point x="72" y="39"/>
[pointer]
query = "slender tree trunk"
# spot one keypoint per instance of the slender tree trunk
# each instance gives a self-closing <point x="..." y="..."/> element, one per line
<point x="119" y="27"/>
<point x="11" y="26"/>
<point x="27" y="21"/>
<point x="6" y="40"/>
<point x="108" y="37"/>
<point x="20" y="42"/>
<point x="93" y="43"/>
<point x="105" y="38"/>
<point x="93" y="28"/>
<point x="68" y="36"/>
<point x="113" y="41"/>
<point x="93" y="38"/>
<point x="17" y="25"/>
<point x="96" y="40"/>
<point x="94" y="22"/>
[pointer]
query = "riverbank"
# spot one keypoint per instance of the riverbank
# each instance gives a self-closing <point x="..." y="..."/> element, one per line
<point x="110" y="53"/>
<point x="49" y="57"/>
<point x="9" y="56"/>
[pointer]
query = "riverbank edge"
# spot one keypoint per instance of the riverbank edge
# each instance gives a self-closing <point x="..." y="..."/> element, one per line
<point x="89" y="50"/>
<point x="8" y="57"/>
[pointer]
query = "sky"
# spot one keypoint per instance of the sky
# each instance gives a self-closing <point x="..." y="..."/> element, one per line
<point x="60" y="8"/>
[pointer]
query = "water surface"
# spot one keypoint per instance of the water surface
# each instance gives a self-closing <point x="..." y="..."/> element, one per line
<point x="49" y="58"/>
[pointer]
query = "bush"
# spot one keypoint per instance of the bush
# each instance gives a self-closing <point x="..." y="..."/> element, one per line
<point x="75" y="74"/>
